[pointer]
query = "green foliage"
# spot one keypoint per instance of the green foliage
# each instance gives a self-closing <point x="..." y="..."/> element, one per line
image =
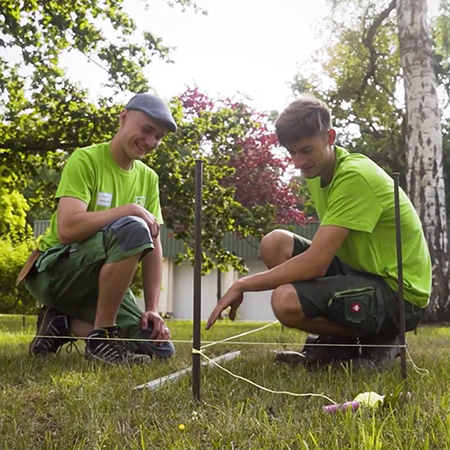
<point x="46" y="116"/>
<point x="45" y="172"/>
<point x="13" y="207"/>
<point x="358" y="75"/>
<point x="305" y="204"/>
<point x="14" y="299"/>
<point x="440" y="31"/>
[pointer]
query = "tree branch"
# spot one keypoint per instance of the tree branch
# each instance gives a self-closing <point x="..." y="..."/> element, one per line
<point x="368" y="42"/>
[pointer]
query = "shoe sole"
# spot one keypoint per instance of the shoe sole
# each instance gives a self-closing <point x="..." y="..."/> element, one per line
<point x="144" y="359"/>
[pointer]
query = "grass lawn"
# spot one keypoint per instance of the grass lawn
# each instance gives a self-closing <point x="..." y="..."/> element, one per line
<point x="69" y="403"/>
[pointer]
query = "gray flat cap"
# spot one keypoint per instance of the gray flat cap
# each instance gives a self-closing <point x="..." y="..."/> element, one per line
<point x="154" y="107"/>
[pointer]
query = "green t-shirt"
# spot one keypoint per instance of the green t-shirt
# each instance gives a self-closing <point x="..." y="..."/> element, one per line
<point x="360" y="198"/>
<point x="92" y="175"/>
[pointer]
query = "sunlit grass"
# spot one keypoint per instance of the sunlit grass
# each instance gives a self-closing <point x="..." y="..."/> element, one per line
<point x="69" y="403"/>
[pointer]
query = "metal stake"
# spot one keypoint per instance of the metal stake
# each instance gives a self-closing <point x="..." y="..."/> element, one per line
<point x="401" y="299"/>
<point x="197" y="279"/>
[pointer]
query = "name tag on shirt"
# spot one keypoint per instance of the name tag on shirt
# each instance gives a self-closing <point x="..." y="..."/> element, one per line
<point x="104" y="199"/>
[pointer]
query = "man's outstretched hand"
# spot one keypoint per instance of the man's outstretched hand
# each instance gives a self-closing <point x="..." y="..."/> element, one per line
<point x="233" y="299"/>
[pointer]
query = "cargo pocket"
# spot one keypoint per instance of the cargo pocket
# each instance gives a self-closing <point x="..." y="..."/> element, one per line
<point x="50" y="257"/>
<point x="356" y="309"/>
<point x="88" y="252"/>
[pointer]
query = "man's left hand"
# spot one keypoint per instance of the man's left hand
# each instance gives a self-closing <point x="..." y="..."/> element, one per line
<point x="160" y="330"/>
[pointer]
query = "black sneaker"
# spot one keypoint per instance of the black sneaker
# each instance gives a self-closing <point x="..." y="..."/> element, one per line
<point x="104" y="345"/>
<point x="335" y="349"/>
<point x="53" y="331"/>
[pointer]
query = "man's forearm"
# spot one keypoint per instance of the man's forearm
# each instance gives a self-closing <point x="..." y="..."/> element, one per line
<point x="303" y="267"/>
<point x="80" y="226"/>
<point x="152" y="276"/>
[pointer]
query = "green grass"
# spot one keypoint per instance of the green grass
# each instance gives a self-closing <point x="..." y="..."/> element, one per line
<point x="69" y="403"/>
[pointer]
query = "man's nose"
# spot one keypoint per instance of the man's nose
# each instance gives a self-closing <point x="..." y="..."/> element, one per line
<point x="151" y="142"/>
<point x="298" y="160"/>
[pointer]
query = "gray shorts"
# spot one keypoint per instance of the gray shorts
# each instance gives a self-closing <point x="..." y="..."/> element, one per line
<point x="359" y="300"/>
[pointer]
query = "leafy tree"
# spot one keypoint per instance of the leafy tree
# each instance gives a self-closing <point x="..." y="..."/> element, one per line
<point x="249" y="148"/>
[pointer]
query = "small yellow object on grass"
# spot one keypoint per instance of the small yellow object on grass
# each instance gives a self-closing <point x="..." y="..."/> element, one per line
<point x="181" y="427"/>
<point x="371" y="399"/>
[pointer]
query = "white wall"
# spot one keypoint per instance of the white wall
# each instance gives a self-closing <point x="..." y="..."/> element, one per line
<point x="178" y="292"/>
<point x="183" y="292"/>
<point x="256" y="305"/>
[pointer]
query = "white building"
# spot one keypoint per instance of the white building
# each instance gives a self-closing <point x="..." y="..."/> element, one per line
<point x="177" y="290"/>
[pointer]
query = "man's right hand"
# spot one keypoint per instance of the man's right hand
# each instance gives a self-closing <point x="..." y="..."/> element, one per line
<point x="233" y="299"/>
<point x="149" y="218"/>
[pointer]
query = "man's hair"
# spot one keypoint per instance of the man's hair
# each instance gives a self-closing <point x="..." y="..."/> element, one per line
<point x="303" y="118"/>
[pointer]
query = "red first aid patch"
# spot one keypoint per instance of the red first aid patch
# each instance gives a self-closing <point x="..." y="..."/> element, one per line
<point x="356" y="307"/>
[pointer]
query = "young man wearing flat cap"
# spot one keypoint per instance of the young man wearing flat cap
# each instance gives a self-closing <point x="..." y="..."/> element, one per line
<point x="107" y="221"/>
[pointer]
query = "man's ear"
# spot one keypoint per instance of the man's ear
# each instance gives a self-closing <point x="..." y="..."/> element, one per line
<point x="123" y="116"/>
<point x="331" y="136"/>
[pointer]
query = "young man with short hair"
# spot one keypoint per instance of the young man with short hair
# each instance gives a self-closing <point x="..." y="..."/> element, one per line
<point x="342" y="286"/>
<point x="107" y="221"/>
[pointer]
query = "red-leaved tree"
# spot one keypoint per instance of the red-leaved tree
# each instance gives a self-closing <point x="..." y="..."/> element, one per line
<point x="261" y="170"/>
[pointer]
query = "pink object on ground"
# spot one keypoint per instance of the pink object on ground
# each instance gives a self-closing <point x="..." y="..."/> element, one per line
<point x="330" y="409"/>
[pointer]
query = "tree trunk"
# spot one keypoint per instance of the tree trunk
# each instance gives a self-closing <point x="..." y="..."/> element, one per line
<point x="424" y="145"/>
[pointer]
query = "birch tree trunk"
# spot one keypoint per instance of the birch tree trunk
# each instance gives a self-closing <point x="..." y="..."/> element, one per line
<point x="424" y="145"/>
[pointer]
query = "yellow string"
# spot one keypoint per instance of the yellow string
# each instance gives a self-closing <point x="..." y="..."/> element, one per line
<point x="294" y="394"/>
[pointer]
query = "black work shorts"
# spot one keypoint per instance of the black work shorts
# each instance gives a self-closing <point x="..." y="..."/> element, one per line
<point x="358" y="300"/>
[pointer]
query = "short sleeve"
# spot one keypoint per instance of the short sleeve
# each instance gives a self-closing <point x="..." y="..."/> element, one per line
<point x="153" y="203"/>
<point x="77" y="178"/>
<point x="352" y="203"/>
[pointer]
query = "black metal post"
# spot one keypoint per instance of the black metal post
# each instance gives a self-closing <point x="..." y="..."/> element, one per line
<point x="197" y="279"/>
<point x="401" y="299"/>
<point x="219" y="284"/>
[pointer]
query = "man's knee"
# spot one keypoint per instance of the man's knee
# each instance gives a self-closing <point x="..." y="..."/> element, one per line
<point x="276" y="247"/>
<point x="286" y="306"/>
<point x="129" y="232"/>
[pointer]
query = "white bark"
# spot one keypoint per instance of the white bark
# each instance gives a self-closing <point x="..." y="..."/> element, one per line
<point x="424" y="143"/>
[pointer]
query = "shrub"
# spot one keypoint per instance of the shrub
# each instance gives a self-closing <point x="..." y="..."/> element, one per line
<point x="14" y="299"/>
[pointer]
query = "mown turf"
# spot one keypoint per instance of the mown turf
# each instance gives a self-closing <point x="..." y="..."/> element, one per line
<point x="69" y="403"/>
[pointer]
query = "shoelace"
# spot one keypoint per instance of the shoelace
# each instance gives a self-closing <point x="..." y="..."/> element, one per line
<point x="69" y="348"/>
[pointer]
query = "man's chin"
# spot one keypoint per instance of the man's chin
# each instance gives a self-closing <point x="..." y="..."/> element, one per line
<point x="138" y="155"/>
<point x="310" y="175"/>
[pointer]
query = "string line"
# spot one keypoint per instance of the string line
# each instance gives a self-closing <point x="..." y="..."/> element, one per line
<point x="238" y="335"/>
<point x="294" y="394"/>
<point x="224" y="341"/>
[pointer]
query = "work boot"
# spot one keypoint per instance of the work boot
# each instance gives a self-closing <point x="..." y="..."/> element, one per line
<point x="334" y="349"/>
<point x="53" y="331"/>
<point x="105" y="345"/>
